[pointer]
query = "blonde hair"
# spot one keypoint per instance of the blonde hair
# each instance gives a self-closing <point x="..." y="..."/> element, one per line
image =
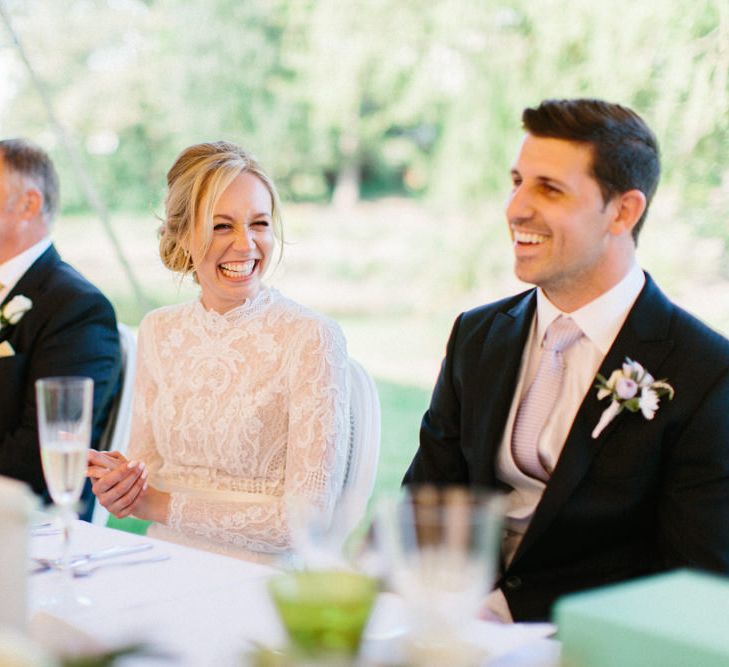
<point x="195" y="182"/>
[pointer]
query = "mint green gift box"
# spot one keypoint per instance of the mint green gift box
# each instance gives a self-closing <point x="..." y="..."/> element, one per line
<point x="678" y="619"/>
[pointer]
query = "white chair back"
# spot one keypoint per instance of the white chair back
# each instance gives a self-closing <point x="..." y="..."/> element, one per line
<point x="364" y="444"/>
<point x="118" y="426"/>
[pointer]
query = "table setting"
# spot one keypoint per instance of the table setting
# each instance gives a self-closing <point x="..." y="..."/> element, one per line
<point x="405" y="591"/>
<point x="193" y="607"/>
<point x="200" y="608"/>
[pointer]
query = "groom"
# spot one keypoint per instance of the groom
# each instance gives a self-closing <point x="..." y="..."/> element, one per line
<point x="598" y="491"/>
<point x="52" y="320"/>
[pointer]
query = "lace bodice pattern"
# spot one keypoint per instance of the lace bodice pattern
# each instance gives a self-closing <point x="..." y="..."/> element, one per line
<point x="234" y="412"/>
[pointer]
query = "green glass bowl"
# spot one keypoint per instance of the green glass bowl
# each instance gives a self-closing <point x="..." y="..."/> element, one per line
<point x="324" y="611"/>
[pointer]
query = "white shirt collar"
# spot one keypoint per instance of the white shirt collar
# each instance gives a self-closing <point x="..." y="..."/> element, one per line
<point x="14" y="269"/>
<point x="602" y="318"/>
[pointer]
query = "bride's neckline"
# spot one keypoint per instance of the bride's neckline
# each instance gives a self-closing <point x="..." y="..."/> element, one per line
<point x="248" y="308"/>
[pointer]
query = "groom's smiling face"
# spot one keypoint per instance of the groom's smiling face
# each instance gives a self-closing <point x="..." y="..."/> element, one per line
<point x="560" y="225"/>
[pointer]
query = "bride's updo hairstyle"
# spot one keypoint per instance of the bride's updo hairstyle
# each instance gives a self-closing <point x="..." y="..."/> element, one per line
<point x="195" y="182"/>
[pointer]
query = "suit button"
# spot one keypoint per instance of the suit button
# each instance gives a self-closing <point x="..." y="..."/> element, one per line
<point x="513" y="583"/>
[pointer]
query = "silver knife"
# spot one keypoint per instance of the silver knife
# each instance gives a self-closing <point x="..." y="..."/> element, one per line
<point x="79" y="559"/>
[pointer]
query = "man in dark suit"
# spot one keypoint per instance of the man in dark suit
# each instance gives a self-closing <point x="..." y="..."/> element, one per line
<point x="52" y="321"/>
<point x="595" y="493"/>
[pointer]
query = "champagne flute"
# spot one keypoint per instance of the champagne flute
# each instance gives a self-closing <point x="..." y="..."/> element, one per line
<point x="64" y="428"/>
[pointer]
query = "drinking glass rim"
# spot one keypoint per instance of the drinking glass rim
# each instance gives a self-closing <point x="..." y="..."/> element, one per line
<point x="289" y="584"/>
<point x="68" y="380"/>
<point x="492" y="500"/>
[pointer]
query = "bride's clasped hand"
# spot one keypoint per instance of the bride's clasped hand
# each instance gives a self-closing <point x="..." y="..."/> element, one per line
<point x="121" y="486"/>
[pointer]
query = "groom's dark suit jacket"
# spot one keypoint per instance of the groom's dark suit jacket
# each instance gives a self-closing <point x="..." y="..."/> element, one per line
<point x="70" y="330"/>
<point x="644" y="496"/>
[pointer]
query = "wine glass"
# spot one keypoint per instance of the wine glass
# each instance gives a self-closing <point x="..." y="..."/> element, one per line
<point x="64" y="429"/>
<point x="439" y="549"/>
<point x="324" y="540"/>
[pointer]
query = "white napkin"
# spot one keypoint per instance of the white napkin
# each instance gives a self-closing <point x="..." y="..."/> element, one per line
<point x="386" y="633"/>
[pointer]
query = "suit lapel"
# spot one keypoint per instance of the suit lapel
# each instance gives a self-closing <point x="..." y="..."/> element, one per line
<point x="643" y="338"/>
<point x="501" y="355"/>
<point x="31" y="283"/>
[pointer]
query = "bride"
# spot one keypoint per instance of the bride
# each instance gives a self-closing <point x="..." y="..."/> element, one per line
<point x="241" y="396"/>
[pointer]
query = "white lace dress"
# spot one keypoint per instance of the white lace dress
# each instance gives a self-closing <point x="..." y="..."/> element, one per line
<point x="234" y="412"/>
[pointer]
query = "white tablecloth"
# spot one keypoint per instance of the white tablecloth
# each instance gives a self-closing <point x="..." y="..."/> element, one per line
<point x="205" y="609"/>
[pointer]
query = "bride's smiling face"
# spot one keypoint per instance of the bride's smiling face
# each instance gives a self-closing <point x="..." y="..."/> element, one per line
<point x="241" y="244"/>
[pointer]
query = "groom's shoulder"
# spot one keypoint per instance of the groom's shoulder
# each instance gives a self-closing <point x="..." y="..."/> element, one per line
<point x="698" y="338"/>
<point x="510" y="306"/>
<point x="693" y="339"/>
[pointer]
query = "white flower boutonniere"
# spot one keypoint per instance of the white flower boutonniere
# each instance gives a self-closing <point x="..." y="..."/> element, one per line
<point x="13" y="310"/>
<point x="631" y="388"/>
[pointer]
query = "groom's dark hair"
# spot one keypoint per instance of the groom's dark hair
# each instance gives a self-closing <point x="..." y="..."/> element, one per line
<point x="624" y="149"/>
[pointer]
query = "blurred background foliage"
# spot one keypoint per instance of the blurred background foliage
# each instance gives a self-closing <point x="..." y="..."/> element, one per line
<point x="389" y="127"/>
<point x="367" y="97"/>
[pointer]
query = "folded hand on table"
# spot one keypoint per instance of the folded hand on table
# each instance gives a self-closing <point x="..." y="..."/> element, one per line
<point x="121" y="487"/>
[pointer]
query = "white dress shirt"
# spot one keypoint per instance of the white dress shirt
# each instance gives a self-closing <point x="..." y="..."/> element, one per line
<point x="14" y="269"/>
<point x="600" y="322"/>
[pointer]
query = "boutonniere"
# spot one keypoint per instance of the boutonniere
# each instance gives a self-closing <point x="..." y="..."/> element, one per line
<point x="13" y="311"/>
<point x="631" y="388"/>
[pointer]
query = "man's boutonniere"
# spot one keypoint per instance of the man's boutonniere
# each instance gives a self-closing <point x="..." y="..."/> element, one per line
<point x="12" y="312"/>
<point x="632" y="388"/>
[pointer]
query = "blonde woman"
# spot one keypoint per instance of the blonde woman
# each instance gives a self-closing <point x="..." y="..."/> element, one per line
<point x="241" y="395"/>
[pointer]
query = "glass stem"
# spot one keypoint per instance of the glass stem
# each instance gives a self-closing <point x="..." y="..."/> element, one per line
<point x="66" y="520"/>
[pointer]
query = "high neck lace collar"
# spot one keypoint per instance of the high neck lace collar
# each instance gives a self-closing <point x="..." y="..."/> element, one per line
<point x="246" y="310"/>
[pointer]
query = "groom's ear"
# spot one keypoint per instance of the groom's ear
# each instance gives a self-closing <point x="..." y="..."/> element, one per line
<point x="629" y="206"/>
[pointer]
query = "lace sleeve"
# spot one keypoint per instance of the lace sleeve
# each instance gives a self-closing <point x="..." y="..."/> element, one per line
<point x="318" y="427"/>
<point x="142" y="446"/>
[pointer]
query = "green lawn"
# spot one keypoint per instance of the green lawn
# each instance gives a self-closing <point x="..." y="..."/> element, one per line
<point x="130" y="524"/>
<point x="402" y="410"/>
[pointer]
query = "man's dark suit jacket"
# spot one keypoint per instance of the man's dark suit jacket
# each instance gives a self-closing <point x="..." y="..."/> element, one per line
<point x="644" y="496"/>
<point x="70" y="330"/>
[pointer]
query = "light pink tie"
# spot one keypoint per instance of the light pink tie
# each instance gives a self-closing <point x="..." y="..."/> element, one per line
<point x="541" y="397"/>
